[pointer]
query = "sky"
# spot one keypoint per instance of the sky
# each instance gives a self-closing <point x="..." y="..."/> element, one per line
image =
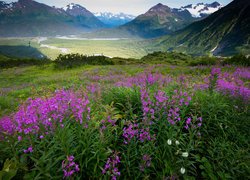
<point x="134" y="7"/>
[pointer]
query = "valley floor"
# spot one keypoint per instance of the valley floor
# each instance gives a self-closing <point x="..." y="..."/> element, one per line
<point x="52" y="47"/>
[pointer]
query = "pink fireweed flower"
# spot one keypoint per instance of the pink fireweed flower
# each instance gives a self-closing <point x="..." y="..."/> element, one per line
<point x="130" y="132"/>
<point x="29" y="150"/>
<point x="47" y="114"/>
<point x="69" y="167"/>
<point x="112" y="166"/>
<point x="144" y="134"/>
<point x="7" y="125"/>
<point x="188" y="121"/>
<point x="146" y="162"/>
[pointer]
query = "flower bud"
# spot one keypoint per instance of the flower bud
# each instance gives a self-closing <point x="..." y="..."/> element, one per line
<point x="185" y="154"/>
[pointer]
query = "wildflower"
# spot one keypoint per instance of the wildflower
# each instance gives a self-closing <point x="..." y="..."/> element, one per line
<point x="185" y="154"/>
<point x="41" y="137"/>
<point x="144" y="135"/>
<point x="19" y="138"/>
<point x="146" y="162"/>
<point x="69" y="167"/>
<point x="29" y="150"/>
<point x="188" y="121"/>
<point x="111" y="166"/>
<point x="169" y="141"/>
<point x="183" y="170"/>
<point x="177" y="142"/>
<point x="130" y="132"/>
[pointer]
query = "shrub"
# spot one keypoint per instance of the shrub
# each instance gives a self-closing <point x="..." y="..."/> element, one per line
<point x="75" y="60"/>
<point x="238" y="59"/>
<point x="204" y="61"/>
<point x="6" y="62"/>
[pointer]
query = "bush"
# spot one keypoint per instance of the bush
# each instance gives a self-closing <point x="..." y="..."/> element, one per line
<point x="238" y="59"/>
<point x="203" y="61"/>
<point x="75" y="60"/>
<point x="173" y="58"/>
<point x="6" y="62"/>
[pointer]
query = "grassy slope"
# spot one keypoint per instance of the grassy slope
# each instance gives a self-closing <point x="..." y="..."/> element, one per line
<point x="17" y="84"/>
<point x="224" y="142"/>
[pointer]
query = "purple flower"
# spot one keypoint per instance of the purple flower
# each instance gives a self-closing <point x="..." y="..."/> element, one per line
<point x="111" y="166"/>
<point x="146" y="162"/>
<point x="69" y="167"/>
<point x="29" y="150"/>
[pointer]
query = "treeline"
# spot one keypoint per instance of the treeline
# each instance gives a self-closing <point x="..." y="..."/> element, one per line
<point x="69" y="61"/>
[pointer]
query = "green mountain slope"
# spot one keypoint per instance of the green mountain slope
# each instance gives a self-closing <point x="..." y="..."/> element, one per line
<point x="30" y="18"/>
<point x="225" y="32"/>
<point x="83" y="17"/>
<point x="157" y="21"/>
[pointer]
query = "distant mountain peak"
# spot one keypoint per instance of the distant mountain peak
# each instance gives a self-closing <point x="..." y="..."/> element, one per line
<point x="25" y="1"/>
<point x="77" y="10"/>
<point x="72" y="6"/>
<point x="114" y="19"/>
<point x="159" y="7"/>
<point x="200" y="9"/>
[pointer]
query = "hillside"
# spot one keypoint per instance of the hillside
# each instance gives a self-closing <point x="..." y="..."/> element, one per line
<point x="30" y="18"/>
<point x="83" y="16"/>
<point x="157" y="21"/>
<point x="225" y="32"/>
<point x="160" y="20"/>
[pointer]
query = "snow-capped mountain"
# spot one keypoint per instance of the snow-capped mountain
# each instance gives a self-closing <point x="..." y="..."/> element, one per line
<point x="200" y="10"/>
<point x="44" y="20"/>
<point x="6" y="6"/>
<point x="83" y="15"/>
<point x="77" y="10"/>
<point x="112" y="19"/>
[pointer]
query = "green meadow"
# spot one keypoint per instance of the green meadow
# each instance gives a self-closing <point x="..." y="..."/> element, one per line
<point x="135" y="121"/>
<point x="125" y="48"/>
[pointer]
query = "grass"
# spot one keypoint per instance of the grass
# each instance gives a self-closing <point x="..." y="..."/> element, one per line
<point x="120" y="98"/>
<point x="128" y="48"/>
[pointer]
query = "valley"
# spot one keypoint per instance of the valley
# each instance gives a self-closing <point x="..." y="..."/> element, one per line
<point x="52" y="47"/>
<point x="143" y="90"/>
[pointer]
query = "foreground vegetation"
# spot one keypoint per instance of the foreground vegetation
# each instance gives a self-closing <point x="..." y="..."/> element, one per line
<point x="124" y="121"/>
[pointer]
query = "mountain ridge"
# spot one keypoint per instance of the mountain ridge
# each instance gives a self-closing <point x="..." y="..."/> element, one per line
<point x="114" y="19"/>
<point x="224" y="32"/>
<point x="161" y="20"/>
<point x="31" y="18"/>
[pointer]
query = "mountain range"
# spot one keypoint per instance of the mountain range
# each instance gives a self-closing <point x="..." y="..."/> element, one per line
<point x="30" y="18"/>
<point x="225" y="32"/>
<point x="195" y="29"/>
<point x="114" y="20"/>
<point x="161" y="20"/>
<point x="201" y="10"/>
